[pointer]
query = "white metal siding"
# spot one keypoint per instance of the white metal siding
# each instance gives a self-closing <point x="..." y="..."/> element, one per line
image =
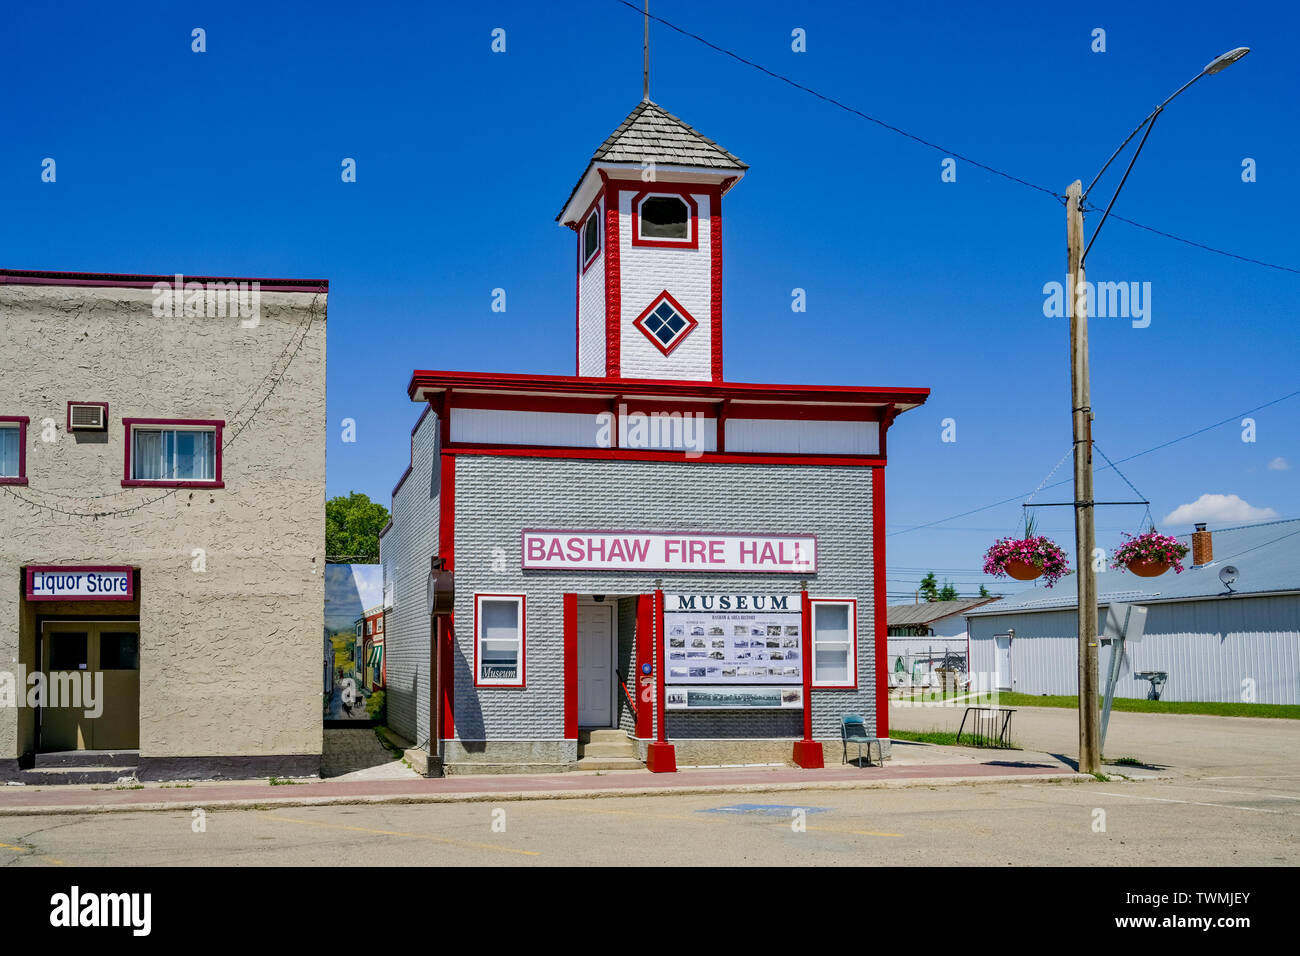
<point x="1209" y="648"/>
<point x="503" y="427"/>
<point x="802" y="437"/>
<point x="591" y="314"/>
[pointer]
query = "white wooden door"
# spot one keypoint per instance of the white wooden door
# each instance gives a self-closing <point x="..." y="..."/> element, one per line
<point x="1002" y="661"/>
<point x="595" y="665"/>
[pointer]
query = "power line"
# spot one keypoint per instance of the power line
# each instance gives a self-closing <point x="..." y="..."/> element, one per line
<point x="1066" y="481"/>
<point x="1055" y="194"/>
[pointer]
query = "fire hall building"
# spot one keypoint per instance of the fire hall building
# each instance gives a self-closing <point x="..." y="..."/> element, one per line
<point x="642" y="563"/>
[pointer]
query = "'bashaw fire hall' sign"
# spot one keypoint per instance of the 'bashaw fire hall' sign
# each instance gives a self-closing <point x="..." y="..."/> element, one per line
<point x="668" y="551"/>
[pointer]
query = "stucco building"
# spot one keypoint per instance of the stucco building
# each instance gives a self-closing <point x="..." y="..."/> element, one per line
<point x="163" y="523"/>
<point x="649" y="563"/>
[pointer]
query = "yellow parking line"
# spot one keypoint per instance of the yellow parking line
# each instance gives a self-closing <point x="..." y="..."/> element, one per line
<point x="413" y="836"/>
<point x="855" y="832"/>
<point x="16" y="849"/>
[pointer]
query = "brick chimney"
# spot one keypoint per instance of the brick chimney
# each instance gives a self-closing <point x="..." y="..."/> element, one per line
<point x="1202" y="545"/>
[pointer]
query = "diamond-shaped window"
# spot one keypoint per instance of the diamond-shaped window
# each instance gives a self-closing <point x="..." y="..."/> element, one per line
<point x="665" y="323"/>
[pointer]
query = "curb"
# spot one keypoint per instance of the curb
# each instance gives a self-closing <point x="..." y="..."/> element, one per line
<point x="521" y="795"/>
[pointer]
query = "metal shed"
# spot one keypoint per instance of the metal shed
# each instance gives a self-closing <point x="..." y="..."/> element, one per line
<point x="1217" y="642"/>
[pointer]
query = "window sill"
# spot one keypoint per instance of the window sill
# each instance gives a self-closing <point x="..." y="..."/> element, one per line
<point x="13" y="481"/>
<point x="143" y="483"/>
<point x="834" y="687"/>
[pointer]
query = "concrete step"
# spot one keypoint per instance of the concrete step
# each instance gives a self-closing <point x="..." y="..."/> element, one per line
<point x="52" y="776"/>
<point x="611" y="748"/>
<point x="601" y="736"/>
<point x="88" y="758"/>
<point x="608" y="763"/>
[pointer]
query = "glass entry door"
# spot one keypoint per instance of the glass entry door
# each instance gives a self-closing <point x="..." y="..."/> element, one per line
<point x="92" y="693"/>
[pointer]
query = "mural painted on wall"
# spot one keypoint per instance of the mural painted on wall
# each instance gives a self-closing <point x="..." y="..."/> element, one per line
<point x="353" y="653"/>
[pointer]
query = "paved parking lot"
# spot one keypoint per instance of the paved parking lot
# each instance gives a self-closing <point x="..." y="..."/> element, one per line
<point x="1253" y="821"/>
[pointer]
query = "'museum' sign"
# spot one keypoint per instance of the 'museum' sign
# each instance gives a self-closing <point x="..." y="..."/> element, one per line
<point x="734" y="639"/>
<point x="80" y="584"/>
<point x="668" y="551"/>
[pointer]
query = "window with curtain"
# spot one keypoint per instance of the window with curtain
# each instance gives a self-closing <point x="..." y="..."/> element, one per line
<point x="11" y="444"/>
<point x="500" y="640"/>
<point x="174" y="454"/>
<point x="834" y="640"/>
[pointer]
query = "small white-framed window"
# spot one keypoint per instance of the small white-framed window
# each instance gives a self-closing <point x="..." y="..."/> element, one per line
<point x="664" y="218"/>
<point x="499" y="640"/>
<point x="834" y="642"/>
<point x="591" y="237"/>
<point x="379" y="625"/>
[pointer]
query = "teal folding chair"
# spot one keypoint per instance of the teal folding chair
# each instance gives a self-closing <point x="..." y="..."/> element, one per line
<point x="853" y="730"/>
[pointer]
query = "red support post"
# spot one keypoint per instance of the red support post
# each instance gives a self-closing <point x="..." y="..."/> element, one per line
<point x="570" y="666"/>
<point x="645" y="650"/>
<point x="661" y="756"/>
<point x="807" y="752"/>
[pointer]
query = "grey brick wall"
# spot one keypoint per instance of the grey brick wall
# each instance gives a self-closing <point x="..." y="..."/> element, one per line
<point x="496" y="497"/>
<point x="627" y="661"/>
<point x="404" y="552"/>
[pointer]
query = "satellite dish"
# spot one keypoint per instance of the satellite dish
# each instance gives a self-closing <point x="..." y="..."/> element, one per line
<point x="1227" y="574"/>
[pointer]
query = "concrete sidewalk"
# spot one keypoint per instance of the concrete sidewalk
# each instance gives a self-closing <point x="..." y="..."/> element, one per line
<point x="914" y="765"/>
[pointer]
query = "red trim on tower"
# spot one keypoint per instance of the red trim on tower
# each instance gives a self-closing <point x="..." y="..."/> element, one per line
<point x="715" y="276"/>
<point x="613" y="280"/>
<point x="644" y="655"/>
<point x="878" y="594"/>
<point x="570" y="603"/>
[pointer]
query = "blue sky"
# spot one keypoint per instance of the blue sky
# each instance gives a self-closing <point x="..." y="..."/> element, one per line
<point x="228" y="162"/>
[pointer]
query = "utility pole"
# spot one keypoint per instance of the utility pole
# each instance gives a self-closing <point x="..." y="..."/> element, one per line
<point x="1084" y="527"/>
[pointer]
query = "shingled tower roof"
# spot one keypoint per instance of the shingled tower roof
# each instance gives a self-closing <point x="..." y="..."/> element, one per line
<point x="651" y="134"/>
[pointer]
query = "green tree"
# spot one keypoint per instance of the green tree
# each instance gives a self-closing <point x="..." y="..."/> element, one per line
<point x="984" y="592"/>
<point x="947" y="592"/>
<point x="352" y="527"/>
<point x="930" y="587"/>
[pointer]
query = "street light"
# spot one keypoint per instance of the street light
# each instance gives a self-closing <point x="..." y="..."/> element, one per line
<point x="1085" y="533"/>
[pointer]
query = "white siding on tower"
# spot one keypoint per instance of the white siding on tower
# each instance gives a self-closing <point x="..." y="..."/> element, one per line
<point x="803" y="437"/>
<point x="646" y="271"/>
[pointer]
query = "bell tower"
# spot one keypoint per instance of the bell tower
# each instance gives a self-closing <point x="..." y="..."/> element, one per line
<point x="647" y="214"/>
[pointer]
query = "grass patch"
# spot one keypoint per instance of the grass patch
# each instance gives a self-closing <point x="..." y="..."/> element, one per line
<point x="1142" y="706"/>
<point x="947" y="739"/>
<point x="1126" y="762"/>
<point x="282" y="782"/>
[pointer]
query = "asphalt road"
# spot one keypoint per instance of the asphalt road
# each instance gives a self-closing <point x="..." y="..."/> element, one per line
<point x="1238" y="821"/>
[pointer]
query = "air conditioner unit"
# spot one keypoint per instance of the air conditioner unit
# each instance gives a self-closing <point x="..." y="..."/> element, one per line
<point x="87" y="416"/>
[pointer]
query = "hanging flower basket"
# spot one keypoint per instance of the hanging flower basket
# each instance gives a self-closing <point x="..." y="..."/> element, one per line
<point x="1150" y="554"/>
<point x="1026" y="559"/>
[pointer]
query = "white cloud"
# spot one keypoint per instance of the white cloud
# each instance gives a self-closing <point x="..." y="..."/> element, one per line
<point x="1218" y="509"/>
<point x="1279" y="464"/>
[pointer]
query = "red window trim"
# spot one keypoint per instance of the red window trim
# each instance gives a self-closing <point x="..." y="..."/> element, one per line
<point x="692" y="242"/>
<point x="582" y="236"/>
<point x="217" y="425"/>
<point x="523" y="642"/>
<point x="22" y="421"/>
<point x="812" y="642"/>
<point x="691" y="322"/>
<point x="103" y="405"/>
